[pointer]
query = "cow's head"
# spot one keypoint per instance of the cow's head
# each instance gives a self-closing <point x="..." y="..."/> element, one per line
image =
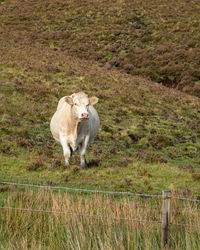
<point x="80" y="103"/>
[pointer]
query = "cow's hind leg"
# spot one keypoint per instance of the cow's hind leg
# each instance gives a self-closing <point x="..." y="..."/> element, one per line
<point x="66" y="150"/>
<point x="82" y="152"/>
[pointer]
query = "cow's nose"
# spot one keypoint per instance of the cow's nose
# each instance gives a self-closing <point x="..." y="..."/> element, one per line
<point x="84" y="115"/>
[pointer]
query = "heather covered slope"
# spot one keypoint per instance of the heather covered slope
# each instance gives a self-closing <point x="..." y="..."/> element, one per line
<point x="149" y="137"/>
<point x="156" y="39"/>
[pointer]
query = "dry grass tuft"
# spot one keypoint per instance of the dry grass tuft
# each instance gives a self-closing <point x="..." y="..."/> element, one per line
<point x="93" y="222"/>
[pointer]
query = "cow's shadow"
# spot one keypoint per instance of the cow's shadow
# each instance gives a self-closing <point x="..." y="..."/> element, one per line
<point x="93" y="163"/>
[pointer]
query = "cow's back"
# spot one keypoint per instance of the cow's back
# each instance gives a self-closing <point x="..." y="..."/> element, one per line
<point x="59" y="119"/>
<point x="61" y="102"/>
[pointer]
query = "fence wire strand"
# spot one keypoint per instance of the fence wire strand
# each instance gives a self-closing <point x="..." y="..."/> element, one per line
<point x="91" y="216"/>
<point x="77" y="214"/>
<point x="78" y="189"/>
<point x="96" y="191"/>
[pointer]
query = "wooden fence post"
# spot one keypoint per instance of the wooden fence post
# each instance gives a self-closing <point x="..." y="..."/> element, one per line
<point x="166" y="196"/>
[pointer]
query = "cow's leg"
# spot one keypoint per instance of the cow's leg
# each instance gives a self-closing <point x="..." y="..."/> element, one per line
<point x="82" y="152"/>
<point x="66" y="150"/>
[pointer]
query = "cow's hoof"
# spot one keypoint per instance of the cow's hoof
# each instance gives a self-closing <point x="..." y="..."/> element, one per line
<point x="84" y="165"/>
<point x="67" y="164"/>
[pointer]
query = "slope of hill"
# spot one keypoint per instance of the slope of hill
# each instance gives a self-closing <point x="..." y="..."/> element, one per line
<point x="157" y="39"/>
<point x="149" y="137"/>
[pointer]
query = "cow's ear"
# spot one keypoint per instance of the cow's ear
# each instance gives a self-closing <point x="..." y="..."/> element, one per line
<point x="93" y="100"/>
<point x="69" y="100"/>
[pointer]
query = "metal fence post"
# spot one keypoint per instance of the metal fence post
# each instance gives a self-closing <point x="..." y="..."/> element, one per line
<point x="166" y="196"/>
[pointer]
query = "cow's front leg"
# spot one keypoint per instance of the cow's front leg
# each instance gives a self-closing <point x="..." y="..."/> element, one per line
<point x="66" y="151"/>
<point x="82" y="152"/>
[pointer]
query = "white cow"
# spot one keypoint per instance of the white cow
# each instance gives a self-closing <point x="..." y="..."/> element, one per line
<point x="75" y="124"/>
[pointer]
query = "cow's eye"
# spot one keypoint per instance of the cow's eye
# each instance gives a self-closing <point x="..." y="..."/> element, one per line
<point x="76" y="104"/>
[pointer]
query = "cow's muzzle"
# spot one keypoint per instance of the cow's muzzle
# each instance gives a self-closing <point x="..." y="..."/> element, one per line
<point x="84" y="116"/>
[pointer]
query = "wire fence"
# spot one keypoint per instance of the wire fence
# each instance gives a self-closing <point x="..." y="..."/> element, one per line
<point x="95" y="191"/>
<point x="165" y="223"/>
<point x="91" y="216"/>
<point x="77" y="214"/>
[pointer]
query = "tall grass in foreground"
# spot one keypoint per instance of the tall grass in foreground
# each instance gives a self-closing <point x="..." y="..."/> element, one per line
<point x="93" y="222"/>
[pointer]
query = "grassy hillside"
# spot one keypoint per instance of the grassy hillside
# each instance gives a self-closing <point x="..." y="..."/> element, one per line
<point x="157" y="39"/>
<point x="149" y="136"/>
